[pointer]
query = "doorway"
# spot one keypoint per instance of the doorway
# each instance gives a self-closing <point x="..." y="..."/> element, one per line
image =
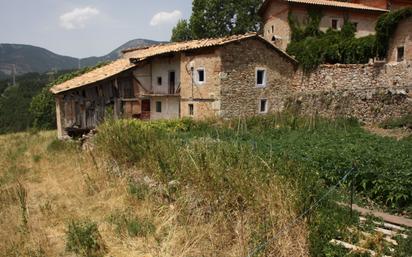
<point x="145" y="109"/>
<point x="172" y="82"/>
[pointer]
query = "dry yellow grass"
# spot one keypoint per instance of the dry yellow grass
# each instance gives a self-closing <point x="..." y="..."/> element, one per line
<point x="66" y="185"/>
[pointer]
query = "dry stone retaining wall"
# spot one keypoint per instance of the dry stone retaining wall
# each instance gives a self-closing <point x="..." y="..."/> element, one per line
<point x="371" y="93"/>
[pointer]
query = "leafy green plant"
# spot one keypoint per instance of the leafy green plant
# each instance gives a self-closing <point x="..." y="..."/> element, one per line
<point x="312" y="47"/>
<point x="386" y="26"/>
<point x="83" y="239"/>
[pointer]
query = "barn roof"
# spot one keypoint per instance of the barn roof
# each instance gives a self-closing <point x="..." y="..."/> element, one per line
<point x="329" y="3"/>
<point x="93" y="76"/>
<point x="141" y="54"/>
<point x="134" y="56"/>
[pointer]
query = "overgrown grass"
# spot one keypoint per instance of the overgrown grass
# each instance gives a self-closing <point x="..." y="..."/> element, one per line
<point x="233" y="166"/>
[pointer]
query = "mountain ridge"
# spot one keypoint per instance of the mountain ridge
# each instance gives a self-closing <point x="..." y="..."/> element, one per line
<point x="29" y="58"/>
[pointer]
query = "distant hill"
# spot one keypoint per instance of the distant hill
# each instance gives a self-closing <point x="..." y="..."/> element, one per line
<point x="91" y="61"/>
<point x="36" y="59"/>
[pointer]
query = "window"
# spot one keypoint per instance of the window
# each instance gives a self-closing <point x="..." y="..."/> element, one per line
<point x="201" y="76"/>
<point x="191" y="110"/>
<point x="158" y="106"/>
<point x="273" y="29"/>
<point x="260" y="77"/>
<point x="263" y="106"/>
<point x="335" y="24"/>
<point x="401" y="53"/>
<point x="159" y="81"/>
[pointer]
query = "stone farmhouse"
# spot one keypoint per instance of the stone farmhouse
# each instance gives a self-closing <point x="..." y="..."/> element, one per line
<point x="223" y="77"/>
<point x="363" y="13"/>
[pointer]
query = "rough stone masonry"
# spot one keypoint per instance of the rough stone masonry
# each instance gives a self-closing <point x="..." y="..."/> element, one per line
<point x="371" y="93"/>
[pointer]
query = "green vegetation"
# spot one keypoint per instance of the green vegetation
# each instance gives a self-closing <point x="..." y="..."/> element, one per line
<point x="15" y="100"/>
<point x="212" y="18"/>
<point x="386" y="26"/>
<point x="312" y="47"/>
<point x="84" y="239"/>
<point x="239" y="162"/>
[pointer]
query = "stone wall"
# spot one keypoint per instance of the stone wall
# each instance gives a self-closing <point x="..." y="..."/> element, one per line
<point x="240" y="96"/>
<point x="371" y="93"/>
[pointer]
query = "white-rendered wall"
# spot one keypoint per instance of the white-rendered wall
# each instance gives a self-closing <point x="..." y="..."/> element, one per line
<point x="170" y="108"/>
<point x="161" y="68"/>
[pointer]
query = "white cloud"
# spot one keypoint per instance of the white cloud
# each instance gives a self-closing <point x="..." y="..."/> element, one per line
<point x="166" y="18"/>
<point x="78" y="17"/>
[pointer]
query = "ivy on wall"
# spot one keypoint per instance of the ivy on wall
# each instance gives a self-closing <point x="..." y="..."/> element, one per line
<point x="312" y="47"/>
<point x="386" y="26"/>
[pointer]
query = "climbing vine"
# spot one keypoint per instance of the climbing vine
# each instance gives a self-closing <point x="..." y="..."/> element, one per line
<point x="386" y="26"/>
<point x="312" y="47"/>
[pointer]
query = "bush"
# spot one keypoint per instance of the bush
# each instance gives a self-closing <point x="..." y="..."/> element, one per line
<point x="83" y="239"/>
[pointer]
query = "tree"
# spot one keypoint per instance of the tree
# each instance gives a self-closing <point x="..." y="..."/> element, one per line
<point x="218" y="18"/>
<point x="181" y="32"/>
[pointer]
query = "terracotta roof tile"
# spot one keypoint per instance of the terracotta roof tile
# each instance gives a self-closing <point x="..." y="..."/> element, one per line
<point x="93" y="76"/>
<point x="143" y="53"/>
<point x="337" y="4"/>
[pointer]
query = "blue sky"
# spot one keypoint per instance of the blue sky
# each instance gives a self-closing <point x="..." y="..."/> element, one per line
<point x="82" y="28"/>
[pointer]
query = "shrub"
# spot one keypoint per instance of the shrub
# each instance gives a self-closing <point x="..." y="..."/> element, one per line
<point x="83" y="239"/>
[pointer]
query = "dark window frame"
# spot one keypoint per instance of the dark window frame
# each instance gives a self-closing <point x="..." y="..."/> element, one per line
<point x="191" y="109"/>
<point x="263" y="103"/>
<point x="261" y="77"/>
<point x="400" y="53"/>
<point x="159" y="106"/>
<point x="200" y="71"/>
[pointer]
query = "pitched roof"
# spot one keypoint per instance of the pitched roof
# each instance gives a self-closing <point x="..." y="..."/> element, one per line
<point x="93" y="76"/>
<point x="134" y="56"/>
<point x="337" y="4"/>
<point x="141" y="54"/>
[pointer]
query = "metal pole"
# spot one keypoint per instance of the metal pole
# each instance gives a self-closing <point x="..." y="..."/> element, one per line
<point x="14" y="74"/>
